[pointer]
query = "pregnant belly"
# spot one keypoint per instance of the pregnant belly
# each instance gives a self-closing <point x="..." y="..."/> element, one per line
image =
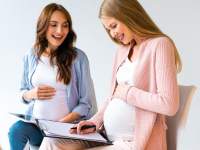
<point x="119" y="119"/>
<point x="53" y="109"/>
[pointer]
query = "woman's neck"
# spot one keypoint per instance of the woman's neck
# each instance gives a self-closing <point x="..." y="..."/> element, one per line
<point x="47" y="52"/>
<point x="138" y="40"/>
<point x="135" y="48"/>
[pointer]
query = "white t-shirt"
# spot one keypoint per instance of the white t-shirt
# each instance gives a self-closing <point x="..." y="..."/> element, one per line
<point x="119" y="116"/>
<point x="55" y="108"/>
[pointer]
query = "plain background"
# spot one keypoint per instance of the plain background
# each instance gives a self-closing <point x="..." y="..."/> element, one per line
<point x="178" y="18"/>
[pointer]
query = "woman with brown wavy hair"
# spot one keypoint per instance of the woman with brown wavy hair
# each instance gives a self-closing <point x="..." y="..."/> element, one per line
<point x="56" y="83"/>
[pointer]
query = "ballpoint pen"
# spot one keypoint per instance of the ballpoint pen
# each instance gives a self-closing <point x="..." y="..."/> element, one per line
<point x="85" y="127"/>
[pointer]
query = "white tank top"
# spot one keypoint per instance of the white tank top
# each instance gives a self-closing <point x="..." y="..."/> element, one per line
<point x="55" y="108"/>
<point x="119" y="116"/>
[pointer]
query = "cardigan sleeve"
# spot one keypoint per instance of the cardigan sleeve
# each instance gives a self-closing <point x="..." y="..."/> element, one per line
<point x="24" y="85"/>
<point x="98" y="117"/>
<point x="85" y="88"/>
<point x="166" y="99"/>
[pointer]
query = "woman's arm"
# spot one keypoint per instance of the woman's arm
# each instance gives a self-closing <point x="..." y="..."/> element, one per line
<point x="97" y="119"/>
<point x="24" y="87"/>
<point x="166" y="99"/>
<point x="71" y="117"/>
<point x="85" y="87"/>
<point x="27" y="93"/>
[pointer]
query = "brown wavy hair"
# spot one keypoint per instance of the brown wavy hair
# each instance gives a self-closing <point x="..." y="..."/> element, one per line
<point x="64" y="55"/>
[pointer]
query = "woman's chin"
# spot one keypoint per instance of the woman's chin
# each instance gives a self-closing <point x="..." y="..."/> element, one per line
<point x="125" y="42"/>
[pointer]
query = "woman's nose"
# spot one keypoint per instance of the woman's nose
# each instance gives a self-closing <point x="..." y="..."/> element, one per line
<point x="58" y="29"/>
<point x="113" y="34"/>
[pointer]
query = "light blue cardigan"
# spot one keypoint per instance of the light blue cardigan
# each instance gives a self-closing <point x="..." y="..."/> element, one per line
<point x="80" y="90"/>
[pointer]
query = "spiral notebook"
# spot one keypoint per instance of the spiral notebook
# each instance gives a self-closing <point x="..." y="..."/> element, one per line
<point x="61" y="130"/>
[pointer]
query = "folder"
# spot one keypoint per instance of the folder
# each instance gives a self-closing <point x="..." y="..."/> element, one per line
<point x="61" y="130"/>
<point x="23" y="117"/>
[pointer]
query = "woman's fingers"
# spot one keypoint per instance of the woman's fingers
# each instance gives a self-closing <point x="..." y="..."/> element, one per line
<point x="47" y="95"/>
<point x="45" y="92"/>
<point x="73" y="130"/>
<point x="81" y="124"/>
<point x="86" y="131"/>
<point x="83" y="127"/>
<point x="45" y="88"/>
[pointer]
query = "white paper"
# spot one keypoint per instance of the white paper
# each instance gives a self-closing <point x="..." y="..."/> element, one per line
<point x="58" y="129"/>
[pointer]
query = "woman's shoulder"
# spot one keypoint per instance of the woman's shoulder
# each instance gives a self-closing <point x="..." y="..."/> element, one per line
<point x="159" y="40"/>
<point x="156" y="45"/>
<point x="81" y="55"/>
<point x="30" y="57"/>
<point x="30" y="53"/>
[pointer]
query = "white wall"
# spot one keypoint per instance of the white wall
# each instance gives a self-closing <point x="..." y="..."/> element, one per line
<point x="179" y="19"/>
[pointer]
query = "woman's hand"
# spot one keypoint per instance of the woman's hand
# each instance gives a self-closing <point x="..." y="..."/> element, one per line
<point x="121" y="91"/>
<point x="71" y="117"/>
<point x="42" y="92"/>
<point x="83" y="131"/>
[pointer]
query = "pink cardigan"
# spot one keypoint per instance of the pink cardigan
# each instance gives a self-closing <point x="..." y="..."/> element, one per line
<point x="154" y="95"/>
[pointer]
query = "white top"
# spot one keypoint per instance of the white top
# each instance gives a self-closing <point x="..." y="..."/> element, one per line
<point x="55" y="108"/>
<point x="119" y="116"/>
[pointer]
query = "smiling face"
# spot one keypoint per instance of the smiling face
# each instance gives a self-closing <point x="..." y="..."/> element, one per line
<point x="117" y="30"/>
<point x="57" y="31"/>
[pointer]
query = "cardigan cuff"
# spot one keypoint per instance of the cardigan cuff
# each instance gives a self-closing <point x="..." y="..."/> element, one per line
<point x="128" y="87"/>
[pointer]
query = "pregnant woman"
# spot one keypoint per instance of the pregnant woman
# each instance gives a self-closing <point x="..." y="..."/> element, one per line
<point x="56" y="83"/>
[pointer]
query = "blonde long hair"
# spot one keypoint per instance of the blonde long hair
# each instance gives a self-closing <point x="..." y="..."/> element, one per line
<point x="133" y="15"/>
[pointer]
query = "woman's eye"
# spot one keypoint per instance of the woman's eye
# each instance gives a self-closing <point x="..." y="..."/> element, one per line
<point x="53" y="25"/>
<point x="66" y="25"/>
<point x="113" y="26"/>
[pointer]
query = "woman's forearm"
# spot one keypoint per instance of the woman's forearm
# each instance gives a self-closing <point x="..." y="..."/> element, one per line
<point x="71" y="117"/>
<point x="28" y="95"/>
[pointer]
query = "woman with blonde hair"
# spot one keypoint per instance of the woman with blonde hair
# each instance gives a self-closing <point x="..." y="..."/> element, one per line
<point x="144" y="87"/>
<point x="56" y="82"/>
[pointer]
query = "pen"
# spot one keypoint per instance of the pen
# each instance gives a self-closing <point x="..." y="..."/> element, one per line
<point x="85" y="127"/>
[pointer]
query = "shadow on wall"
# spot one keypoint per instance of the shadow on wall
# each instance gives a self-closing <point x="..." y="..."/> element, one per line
<point x="177" y="124"/>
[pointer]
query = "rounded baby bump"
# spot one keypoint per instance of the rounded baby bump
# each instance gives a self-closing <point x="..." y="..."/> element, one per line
<point x="52" y="109"/>
<point x="119" y="118"/>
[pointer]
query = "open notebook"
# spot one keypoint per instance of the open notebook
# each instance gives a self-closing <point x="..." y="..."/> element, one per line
<point x="61" y="130"/>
